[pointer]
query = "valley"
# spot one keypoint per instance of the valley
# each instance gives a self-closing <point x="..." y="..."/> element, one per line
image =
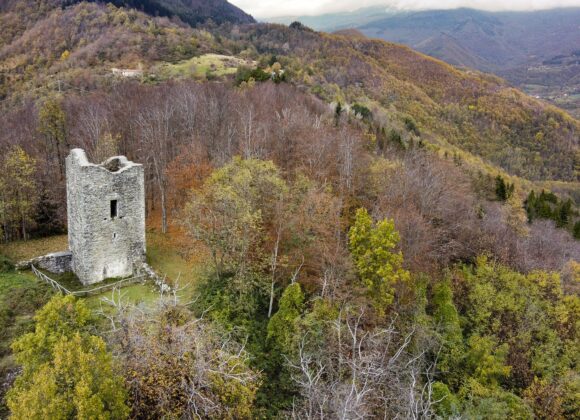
<point x="535" y="51"/>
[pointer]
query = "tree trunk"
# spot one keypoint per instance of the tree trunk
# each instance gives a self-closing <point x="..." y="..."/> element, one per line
<point x="163" y="212"/>
<point x="274" y="264"/>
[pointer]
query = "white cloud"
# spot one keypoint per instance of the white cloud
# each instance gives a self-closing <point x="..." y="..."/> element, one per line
<point x="269" y="8"/>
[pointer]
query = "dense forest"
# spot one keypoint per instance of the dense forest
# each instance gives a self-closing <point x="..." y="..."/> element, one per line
<point x="373" y="233"/>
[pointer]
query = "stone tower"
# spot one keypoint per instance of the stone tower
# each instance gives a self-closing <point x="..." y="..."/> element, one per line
<point x="106" y="216"/>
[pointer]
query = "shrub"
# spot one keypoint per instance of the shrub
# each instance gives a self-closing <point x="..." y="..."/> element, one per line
<point x="6" y="265"/>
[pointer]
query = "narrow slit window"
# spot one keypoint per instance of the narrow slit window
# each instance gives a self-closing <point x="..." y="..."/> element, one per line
<point x="113" y="209"/>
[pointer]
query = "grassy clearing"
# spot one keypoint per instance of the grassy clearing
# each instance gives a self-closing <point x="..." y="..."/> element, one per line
<point x="166" y="257"/>
<point x="202" y="67"/>
<point x="163" y="254"/>
<point x="137" y="294"/>
<point x="26" y="250"/>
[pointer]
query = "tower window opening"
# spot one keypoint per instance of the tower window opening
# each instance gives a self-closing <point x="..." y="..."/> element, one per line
<point x="113" y="209"/>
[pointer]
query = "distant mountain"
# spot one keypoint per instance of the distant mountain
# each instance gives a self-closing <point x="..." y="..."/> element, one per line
<point x="533" y="50"/>
<point x="330" y="22"/>
<point x="414" y="97"/>
<point x="500" y="40"/>
<point x="536" y="51"/>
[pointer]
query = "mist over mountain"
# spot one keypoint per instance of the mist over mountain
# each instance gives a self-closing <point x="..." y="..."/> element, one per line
<point x="500" y="40"/>
<point x="330" y="22"/>
<point x="537" y="51"/>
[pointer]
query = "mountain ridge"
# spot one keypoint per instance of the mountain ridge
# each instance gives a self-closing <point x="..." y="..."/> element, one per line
<point x="192" y="12"/>
<point x="517" y="46"/>
<point x="452" y="108"/>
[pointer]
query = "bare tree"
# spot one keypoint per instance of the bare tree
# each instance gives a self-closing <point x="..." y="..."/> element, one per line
<point x="178" y="366"/>
<point x="359" y="373"/>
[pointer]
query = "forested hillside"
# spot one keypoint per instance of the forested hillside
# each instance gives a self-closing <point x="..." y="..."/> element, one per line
<point x="349" y="228"/>
<point x="192" y="12"/>
<point x="474" y="112"/>
<point x="537" y="50"/>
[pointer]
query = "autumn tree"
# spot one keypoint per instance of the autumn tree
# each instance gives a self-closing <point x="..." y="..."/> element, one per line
<point x="228" y="213"/>
<point x="67" y="372"/>
<point x="18" y="192"/>
<point x="373" y="249"/>
<point x="52" y="125"/>
<point x="179" y="366"/>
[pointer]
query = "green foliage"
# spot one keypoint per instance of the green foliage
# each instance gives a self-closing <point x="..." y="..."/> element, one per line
<point x="245" y="74"/>
<point x="237" y="303"/>
<point x="486" y="360"/>
<point x="60" y="317"/>
<point x="17" y="192"/>
<point x="448" y="325"/>
<point x="504" y="336"/>
<point x="282" y="327"/>
<point x="503" y="190"/>
<point x="411" y="125"/>
<point x="493" y="403"/>
<point x="447" y="404"/>
<point x="66" y="371"/>
<point x="547" y="205"/>
<point x="363" y="111"/>
<point x="77" y="382"/>
<point x="524" y="316"/>
<point x="283" y="335"/>
<point x="379" y="266"/>
<point x="6" y="264"/>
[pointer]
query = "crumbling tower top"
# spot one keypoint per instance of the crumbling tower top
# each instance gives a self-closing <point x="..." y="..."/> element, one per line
<point x="106" y="216"/>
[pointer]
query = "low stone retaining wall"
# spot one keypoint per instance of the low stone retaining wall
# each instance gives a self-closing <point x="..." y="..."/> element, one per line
<point x="61" y="262"/>
<point x="57" y="262"/>
<point x="157" y="279"/>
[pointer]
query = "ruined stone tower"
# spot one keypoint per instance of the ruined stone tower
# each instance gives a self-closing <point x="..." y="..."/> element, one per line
<point x="106" y="216"/>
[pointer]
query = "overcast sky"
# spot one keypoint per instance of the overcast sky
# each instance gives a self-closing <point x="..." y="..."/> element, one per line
<point x="272" y="8"/>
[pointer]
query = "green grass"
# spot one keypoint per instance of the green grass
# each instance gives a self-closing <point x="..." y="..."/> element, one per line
<point x="137" y="294"/>
<point x="212" y="65"/>
<point x="26" y="250"/>
<point x="162" y="254"/>
<point x="12" y="280"/>
<point x="168" y="261"/>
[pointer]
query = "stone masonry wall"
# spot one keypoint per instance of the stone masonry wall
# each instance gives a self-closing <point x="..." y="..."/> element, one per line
<point x="103" y="244"/>
<point x="58" y="262"/>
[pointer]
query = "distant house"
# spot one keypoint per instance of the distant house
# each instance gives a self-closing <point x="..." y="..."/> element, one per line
<point x="127" y="72"/>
